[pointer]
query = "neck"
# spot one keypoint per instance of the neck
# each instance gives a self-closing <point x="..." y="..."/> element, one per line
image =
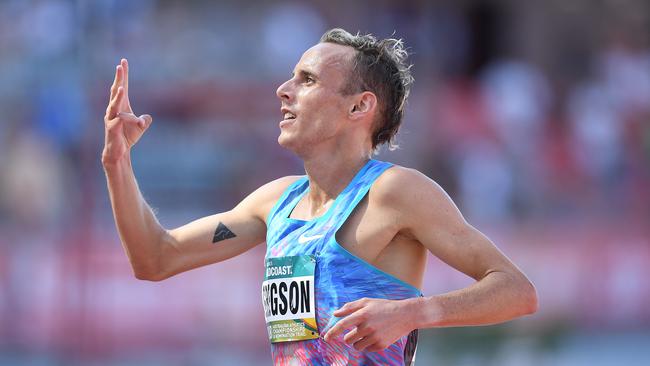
<point x="329" y="175"/>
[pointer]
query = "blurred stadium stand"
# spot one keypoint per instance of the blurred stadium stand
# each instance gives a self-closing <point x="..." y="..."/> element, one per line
<point x="534" y="116"/>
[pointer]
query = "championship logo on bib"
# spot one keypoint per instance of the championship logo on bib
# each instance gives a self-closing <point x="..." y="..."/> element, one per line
<point x="288" y="298"/>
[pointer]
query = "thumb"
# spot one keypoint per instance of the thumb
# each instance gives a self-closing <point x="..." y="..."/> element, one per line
<point x="145" y="121"/>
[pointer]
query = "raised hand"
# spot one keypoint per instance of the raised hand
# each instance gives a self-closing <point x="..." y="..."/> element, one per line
<point x="122" y="128"/>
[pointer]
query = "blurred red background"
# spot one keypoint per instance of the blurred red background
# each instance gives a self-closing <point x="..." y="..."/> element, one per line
<point x="534" y="116"/>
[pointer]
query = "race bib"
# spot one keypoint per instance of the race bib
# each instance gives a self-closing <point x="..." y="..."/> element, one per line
<point x="288" y="298"/>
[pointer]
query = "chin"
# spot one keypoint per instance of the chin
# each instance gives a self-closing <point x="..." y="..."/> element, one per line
<point x="291" y="144"/>
<point x="286" y="141"/>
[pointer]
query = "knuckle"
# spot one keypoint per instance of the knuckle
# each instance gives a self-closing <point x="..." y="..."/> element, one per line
<point x="113" y="126"/>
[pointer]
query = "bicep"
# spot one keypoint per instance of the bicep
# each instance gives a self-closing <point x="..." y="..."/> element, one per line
<point x="464" y="248"/>
<point x="210" y="240"/>
<point x="436" y="222"/>
<point x="221" y="236"/>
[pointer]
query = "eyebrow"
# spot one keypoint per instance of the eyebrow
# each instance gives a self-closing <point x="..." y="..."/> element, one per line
<point x="305" y="73"/>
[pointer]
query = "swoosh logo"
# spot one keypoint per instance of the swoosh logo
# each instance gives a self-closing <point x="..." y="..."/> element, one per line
<point x="302" y="239"/>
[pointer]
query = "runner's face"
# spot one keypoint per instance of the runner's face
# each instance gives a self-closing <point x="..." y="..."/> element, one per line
<point x="313" y="109"/>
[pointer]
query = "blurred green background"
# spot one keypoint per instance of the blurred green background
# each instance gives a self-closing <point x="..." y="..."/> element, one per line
<point x="533" y="115"/>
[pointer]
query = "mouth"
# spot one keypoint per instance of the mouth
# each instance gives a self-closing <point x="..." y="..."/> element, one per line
<point x="287" y="117"/>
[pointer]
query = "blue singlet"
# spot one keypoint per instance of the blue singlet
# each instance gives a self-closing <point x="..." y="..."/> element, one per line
<point x="340" y="276"/>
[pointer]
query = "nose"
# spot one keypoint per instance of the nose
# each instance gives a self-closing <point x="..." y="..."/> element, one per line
<point x="283" y="90"/>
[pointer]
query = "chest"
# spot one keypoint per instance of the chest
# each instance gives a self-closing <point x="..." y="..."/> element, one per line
<point x="376" y="236"/>
<point x="367" y="232"/>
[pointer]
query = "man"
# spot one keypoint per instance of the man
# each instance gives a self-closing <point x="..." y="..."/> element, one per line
<point x="346" y="244"/>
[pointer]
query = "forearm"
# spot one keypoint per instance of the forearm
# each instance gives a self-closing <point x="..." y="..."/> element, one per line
<point x="140" y="232"/>
<point x="496" y="298"/>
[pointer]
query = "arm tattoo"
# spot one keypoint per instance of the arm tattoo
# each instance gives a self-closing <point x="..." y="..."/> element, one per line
<point x="222" y="233"/>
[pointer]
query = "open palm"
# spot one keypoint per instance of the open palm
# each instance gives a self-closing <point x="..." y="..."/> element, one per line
<point x="123" y="129"/>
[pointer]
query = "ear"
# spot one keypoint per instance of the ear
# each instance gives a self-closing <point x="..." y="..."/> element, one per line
<point x="365" y="105"/>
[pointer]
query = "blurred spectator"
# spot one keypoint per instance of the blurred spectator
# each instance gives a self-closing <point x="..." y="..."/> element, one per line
<point x="31" y="186"/>
<point x="534" y="117"/>
<point x="289" y="29"/>
<point x="518" y="99"/>
<point x="486" y="180"/>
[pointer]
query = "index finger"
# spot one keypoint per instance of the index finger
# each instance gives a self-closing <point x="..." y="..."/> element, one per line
<point x="349" y="308"/>
<point x="349" y="321"/>
<point x="116" y="82"/>
<point x="113" y="106"/>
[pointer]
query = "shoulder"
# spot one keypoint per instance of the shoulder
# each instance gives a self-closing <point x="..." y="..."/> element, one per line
<point x="262" y="200"/>
<point x="278" y="186"/>
<point x="400" y="183"/>
<point x="409" y="192"/>
<point x="275" y="188"/>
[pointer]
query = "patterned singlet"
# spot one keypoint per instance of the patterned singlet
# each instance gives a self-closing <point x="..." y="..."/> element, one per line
<point x="339" y="276"/>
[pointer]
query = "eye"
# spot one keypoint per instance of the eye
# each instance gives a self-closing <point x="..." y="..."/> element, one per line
<point x="309" y="80"/>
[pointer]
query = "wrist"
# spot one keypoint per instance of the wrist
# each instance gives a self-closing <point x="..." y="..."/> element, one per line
<point x="426" y="312"/>
<point x="111" y="163"/>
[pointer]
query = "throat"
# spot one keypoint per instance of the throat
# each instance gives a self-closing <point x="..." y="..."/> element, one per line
<point x="306" y="210"/>
<point x="319" y="210"/>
